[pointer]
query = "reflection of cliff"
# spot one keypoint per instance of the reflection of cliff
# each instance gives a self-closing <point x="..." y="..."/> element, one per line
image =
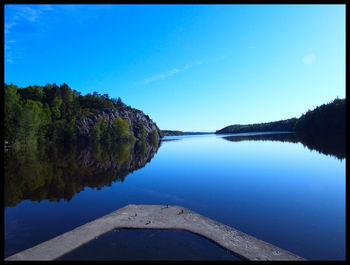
<point x="329" y="145"/>
<point x="53" y="174"/>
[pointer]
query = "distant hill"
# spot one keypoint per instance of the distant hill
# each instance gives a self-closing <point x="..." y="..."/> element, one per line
<point x="326" y="119"/>
<point x="282" y="125"/>
<point x="197" y="133"/>
<point x="177" y="133"/>
<point x="171" y="133"/>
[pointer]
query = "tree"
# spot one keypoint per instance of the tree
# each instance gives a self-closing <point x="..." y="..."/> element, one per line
<point x="67" y="101"/>
<point x="29" y="123"/>
<point x="96" y="130"/>
<point x="12" y="108"/>
<point x="32" y="92"/>
<point x="119" y="103"/>
<point x="120" y="130"/>
<point x="155" y="139"/>
<point x="46" y="122"/>
<point x="143" y="132"/>
<point x="55" y="108"/>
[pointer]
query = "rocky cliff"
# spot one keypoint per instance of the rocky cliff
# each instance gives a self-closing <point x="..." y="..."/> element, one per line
<point x="135" y="118"/>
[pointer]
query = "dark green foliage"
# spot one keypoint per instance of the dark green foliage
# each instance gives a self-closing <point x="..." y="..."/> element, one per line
<point x="177" y="133"/>
<point x="120" y="130"/>
<point x="155" y="139"/>
<point x="95" y="102"/>
<point x="143" y="132"/>
<point x="327" y="119"/>
<point x="32" y="92"/>
<point x="55" y="108"/>
<point x="99" y="129"/>
<point x="282" y="125"/>
<point x="172" y="133"/>
<point x="46" y="122"/>
<point x="12" y="108"/>
<point x="29" y="123"/>
<point x="35" y="115"/>
<point x="118" y="103"/>
<point x="65" y="130"/>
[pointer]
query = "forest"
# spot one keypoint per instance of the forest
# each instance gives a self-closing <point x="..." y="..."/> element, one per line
<point x="282" y="125"/>
<point x="38" y="114"/>
<point x="327" y="119"/>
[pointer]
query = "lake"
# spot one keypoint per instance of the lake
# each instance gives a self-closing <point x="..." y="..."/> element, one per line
<point x="279" y="188"/>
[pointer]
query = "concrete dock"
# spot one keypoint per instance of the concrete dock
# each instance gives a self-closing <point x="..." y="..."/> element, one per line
<point x="157" y="217"/>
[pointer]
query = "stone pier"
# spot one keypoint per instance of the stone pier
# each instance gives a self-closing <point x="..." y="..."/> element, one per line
<point x="157" y="217"/>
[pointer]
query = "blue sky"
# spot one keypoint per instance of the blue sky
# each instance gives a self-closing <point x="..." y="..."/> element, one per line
<point x="189" y="67"/>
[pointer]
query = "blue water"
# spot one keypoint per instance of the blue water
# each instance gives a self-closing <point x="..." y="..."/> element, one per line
<point x="148" y="244"/>
<point x="279" y="192"/>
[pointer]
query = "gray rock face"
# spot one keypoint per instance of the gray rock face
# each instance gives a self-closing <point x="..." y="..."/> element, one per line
<point x="135" y="118"/>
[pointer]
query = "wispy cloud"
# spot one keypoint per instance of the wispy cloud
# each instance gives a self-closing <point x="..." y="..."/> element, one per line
<point x="168" y="73"/>
<point x="8" y="26"/>
<point x="309" y="58"/>
<point x="29" y="13"/>
<point x="12" y="54"/>
<point x="16" y="16"/>
<point x="9" y="53"/>
<point x="8" y="43"/>
<point x="82" y="12"/>
<point x="37" y="19"/>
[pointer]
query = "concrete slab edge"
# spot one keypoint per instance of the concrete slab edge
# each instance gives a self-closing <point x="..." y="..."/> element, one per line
<point x="157" y="217"/>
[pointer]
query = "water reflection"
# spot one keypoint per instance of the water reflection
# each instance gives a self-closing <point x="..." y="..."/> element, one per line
<point x="329" y="145"/>
<point x="59" y="172"/>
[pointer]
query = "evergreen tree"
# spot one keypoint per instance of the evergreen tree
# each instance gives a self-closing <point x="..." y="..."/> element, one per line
<point x="12" y="108"/>
<point x="29" y="123"/>
<point x="46" y="122"/>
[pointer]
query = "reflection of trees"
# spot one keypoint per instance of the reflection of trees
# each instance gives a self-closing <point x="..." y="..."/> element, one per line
<point x="53" y="172"/>
<point x="326" y="144"/>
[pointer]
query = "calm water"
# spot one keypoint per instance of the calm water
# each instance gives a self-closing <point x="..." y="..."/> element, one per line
<point x="273" y="187"/>
<point x="132" y="244"/>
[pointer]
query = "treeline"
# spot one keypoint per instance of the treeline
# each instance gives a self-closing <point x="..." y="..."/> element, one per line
<point x="178" y="133"/>
<point x="326" y="119"/>
<point x="282" y="125"/>
<point x="37" y="114"/>
<point x="172" y="133"/>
